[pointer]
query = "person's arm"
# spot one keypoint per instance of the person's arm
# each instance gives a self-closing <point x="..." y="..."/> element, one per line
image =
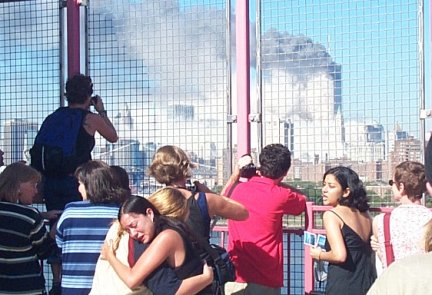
<point x="374" y="239"/>
<point x="235" y="176"/>
<point x="195" y="284"/>
<point x="52" y="214"/>
<point x="101" y="123"/>
<point x="295" y="203"/>
<point x="338" y="252"/>
<point x="226" y="207"/>
<point x="162" y="247"/>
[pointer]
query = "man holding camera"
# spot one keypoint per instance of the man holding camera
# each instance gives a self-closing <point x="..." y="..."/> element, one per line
<point x="74" y="125"/>
<point x="255" y="244"/>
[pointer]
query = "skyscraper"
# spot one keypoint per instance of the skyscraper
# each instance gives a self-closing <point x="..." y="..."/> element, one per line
<point x="18" y="138"/>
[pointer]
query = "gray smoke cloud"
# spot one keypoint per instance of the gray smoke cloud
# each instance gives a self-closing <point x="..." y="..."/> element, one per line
<point x="298" y="55"/>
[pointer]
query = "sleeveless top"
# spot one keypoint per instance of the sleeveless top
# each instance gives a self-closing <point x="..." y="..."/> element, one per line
<point x="165" y="280"/>
<point x="356" y="275"/>
<point x="199" y="219"/>
<point x="85" y="143"/>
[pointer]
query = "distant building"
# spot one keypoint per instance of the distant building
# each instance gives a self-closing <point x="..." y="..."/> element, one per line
<point x="365" y="142"/>
<point x="18" y="138"/>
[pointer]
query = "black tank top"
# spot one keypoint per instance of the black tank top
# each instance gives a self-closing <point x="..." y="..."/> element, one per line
<point x="85" y="143"/>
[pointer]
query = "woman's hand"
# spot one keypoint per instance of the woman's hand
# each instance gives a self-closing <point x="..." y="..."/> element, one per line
<point x="107" y="250"/>
<point x="315" y="252"/>
<point x="52" y="214"/>
<point x="374" y="244"/>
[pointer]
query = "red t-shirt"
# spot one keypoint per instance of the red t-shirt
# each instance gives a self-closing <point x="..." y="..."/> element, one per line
<point x="255" y="245"/>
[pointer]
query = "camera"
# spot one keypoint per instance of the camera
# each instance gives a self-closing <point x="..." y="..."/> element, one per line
<point x="190" y="186"/>
<point x="94" y="99"/>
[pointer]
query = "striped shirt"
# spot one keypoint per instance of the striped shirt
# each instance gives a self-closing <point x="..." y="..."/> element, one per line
<point x="81" y="231"/>
<point x="23" y="242"/>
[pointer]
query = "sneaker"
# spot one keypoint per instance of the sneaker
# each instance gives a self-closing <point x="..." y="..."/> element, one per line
<point x="55" y="290"/>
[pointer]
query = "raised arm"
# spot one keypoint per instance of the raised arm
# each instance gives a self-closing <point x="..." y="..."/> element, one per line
<point x="100" y="122"/>
<point x="226" y="207"/>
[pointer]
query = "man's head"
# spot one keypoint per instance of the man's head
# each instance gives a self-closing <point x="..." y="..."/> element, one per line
<point x="275" y="161"/>
<point x="79" y="88"/>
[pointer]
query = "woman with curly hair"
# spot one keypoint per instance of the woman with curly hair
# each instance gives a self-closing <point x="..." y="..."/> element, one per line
<point x="349" y="228"/>
<point x="171" y="166"/>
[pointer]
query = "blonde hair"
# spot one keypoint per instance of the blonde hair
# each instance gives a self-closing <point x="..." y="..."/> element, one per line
<point x="428" y="236"/>
<point x="170" y="164"/>
<point x="170" y="202"/>
<point x="12" y="177"/>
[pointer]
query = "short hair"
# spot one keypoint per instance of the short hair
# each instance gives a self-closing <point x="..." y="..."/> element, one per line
<point x="412" y="175"/>
<point x="275" y="161"/>
<point x="122" y="176"/>
<point x="170" y="202"/>
<point x="100" y="184"/>
<point x="348" y="178"/>
<point x="170" y="164"/>
<point x="12" y="177"/>
<point x="78" y="88"/>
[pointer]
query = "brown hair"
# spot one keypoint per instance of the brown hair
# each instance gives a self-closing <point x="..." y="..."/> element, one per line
<point x="12" y="177"/>
<point x="412" y="175"/>
<point x="100" y="184"/>
<point x="170" y="164"/>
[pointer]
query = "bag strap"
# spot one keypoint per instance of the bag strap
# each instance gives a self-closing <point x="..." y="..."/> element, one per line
<point x="387" y="240"/>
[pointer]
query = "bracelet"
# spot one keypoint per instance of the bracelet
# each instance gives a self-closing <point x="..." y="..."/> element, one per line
<point x="319" y="256"/>
<point x="104" y="112"/>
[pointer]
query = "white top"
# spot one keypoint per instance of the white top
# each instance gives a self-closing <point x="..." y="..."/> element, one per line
<point x="406" y="230"/>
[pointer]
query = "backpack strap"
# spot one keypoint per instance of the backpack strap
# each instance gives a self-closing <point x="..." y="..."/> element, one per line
<point x="387" y="240"/>
<point x="202" y="203"/>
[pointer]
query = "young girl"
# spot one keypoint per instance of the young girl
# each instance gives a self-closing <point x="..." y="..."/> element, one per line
<point x="349" y="228"/>
<point x="169" y="245"/>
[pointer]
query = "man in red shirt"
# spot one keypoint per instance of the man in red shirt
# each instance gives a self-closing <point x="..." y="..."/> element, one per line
<point x="255" y="245"/>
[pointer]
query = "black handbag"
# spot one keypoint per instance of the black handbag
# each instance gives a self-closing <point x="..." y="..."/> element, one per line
<point x="223" y="267"/>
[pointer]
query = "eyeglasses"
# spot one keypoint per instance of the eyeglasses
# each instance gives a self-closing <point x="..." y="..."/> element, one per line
<point x="391" y="182"/>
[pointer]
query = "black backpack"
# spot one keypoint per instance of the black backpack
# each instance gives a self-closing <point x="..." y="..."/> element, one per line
<point x="54" y="149"/>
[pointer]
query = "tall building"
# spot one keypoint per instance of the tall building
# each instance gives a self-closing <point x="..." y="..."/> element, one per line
<point x="18" y="138"/>
<point x="365" y="142"/>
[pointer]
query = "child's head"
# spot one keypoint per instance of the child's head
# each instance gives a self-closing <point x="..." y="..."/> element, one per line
<point x="98" y="184"/>
<point x="410" y="177"/>
<point x="170" y="164"/>
<point x="341" y="185"/>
